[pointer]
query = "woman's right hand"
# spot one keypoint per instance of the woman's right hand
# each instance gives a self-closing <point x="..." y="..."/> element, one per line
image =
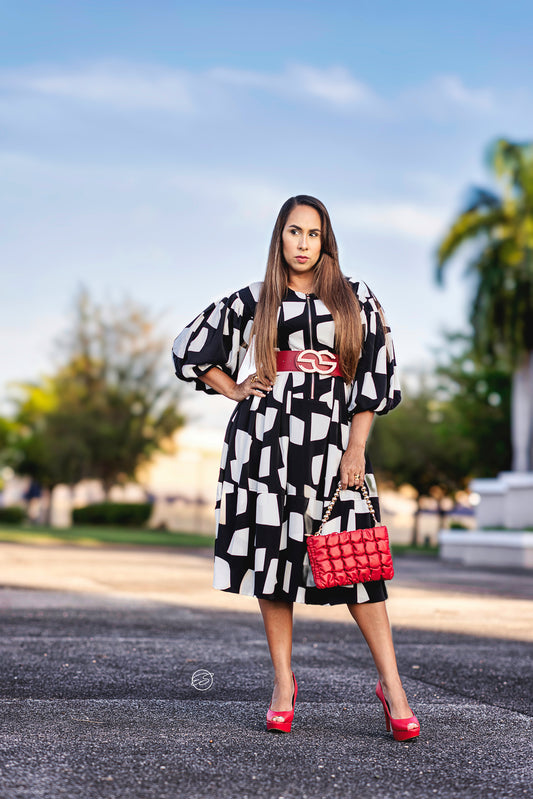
<point x="248" y="387"/>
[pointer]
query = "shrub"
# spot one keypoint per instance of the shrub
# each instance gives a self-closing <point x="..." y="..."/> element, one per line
<point x="458" y="526"/>
<point x="12" y="515"/>
<point x="123" y="514"/>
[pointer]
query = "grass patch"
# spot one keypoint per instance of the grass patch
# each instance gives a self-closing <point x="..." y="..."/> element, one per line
<point x="409" y="549"/>
<point x="85" y="535"/>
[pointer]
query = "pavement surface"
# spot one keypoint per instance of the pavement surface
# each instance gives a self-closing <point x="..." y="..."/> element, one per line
<point x="102" y="693"/>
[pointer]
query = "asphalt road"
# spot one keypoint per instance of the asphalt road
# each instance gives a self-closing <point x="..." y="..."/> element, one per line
<point x="97" y="700"/>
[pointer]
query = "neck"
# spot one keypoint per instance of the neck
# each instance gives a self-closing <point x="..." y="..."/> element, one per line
<point x="301" y="283"/>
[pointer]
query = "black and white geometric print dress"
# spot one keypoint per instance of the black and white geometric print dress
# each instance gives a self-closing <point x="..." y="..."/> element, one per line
<point x="281" y="454"/>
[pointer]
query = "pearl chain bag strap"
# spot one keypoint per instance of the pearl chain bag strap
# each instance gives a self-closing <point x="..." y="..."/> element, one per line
<point x="353" y="556"/>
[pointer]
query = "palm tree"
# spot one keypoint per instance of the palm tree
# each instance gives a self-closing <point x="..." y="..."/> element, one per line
<point x="501" y="229"/>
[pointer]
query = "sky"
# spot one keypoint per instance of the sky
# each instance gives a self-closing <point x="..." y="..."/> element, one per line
<point x="146" y="148"/>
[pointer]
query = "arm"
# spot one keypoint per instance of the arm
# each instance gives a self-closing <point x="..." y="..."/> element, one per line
<point x="353" y="460"/>
<point x="217" y="337"/>
<point x="218" y="380"/>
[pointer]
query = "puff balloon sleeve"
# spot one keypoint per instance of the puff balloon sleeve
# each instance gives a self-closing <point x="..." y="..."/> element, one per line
<point x="218" y="336"/>
<point x="376" y="386"/>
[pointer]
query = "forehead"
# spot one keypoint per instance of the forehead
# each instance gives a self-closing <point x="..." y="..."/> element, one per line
<point x="305" y="217"/>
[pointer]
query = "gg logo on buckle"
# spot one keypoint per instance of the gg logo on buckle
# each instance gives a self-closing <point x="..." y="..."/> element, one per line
<point x="320" y="361"/>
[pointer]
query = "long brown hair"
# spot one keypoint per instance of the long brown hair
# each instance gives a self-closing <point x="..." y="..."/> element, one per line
<point x="329" y="284"/>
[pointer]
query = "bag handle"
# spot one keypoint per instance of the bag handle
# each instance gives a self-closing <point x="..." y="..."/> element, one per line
<point x="327" y="514"/>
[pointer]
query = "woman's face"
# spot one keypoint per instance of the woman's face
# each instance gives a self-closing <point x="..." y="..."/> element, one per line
<point x="302" y="240"/>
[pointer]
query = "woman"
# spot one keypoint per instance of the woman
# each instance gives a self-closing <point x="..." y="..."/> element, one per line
<point x="300" y="424"/>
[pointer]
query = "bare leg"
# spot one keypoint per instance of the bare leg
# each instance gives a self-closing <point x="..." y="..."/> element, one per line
<point x="278" y="618"/>
<point x="374" y="623"/>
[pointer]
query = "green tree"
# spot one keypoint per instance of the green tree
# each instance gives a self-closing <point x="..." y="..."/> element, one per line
<point x="407" y="448"/>
<point x="474" y="399"/>
<point x="8" y="437"/>
<point x="499" y="228"/>
<point x="26" y="449"/>
<point x="108" y="408"/>
<point x="454" y="428"/>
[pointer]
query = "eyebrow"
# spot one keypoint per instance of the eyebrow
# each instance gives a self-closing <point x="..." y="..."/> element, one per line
<point x="313" y="230"/>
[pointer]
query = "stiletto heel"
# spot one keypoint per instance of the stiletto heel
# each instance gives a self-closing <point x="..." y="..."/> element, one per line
<point x="400" y="727"/>
<point x="387" y="722"/>
<point x="287" y="715"/>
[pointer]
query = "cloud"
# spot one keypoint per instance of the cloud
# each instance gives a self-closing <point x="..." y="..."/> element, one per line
<point x="335" y="86"/>
<point x="126" y="86"/>
<point x="453" y="89"/>
<point x="403" y="219"/>
<point x="122" y="85"/>
<point x="445" y="96"/>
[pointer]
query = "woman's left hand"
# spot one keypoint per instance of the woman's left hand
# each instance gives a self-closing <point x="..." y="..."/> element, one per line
<point x="352" y="469"/>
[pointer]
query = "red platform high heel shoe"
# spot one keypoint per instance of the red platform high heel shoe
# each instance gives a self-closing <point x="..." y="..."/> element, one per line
<point x="286" y="715"/>
<point x="400" y="727"/>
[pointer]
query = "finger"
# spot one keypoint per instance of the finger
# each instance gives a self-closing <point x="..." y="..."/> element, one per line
<point x="258" y="381"/>
<point x="258" y="384"/>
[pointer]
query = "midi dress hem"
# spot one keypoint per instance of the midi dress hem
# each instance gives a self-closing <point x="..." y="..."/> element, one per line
<point x="358" y="594"/>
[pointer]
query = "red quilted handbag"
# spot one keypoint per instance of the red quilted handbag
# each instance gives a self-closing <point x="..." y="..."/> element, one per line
<point x="353" y="556"/>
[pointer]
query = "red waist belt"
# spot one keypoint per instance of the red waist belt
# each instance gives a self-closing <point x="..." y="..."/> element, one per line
<point x="322" y="361"/>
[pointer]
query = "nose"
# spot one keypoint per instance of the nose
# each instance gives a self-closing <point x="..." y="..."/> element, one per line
<point x="302" y="244"/>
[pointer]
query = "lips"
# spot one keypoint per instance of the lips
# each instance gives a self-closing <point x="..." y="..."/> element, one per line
<point x="302" y="259"/>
